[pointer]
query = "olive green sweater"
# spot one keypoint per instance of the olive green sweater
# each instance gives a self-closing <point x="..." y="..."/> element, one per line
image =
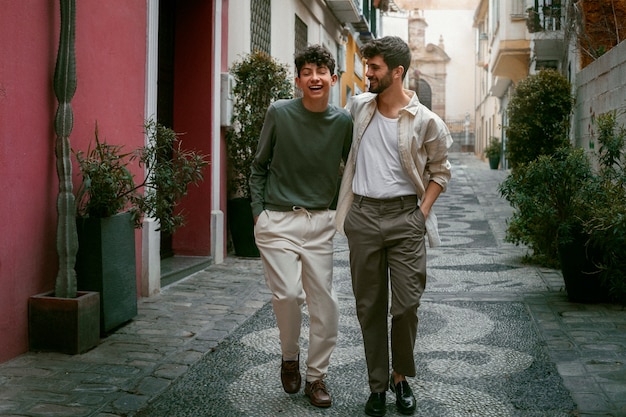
<point x="298" y="157"/>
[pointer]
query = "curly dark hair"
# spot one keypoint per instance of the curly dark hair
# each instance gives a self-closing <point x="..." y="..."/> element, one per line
<point x="318" y="55"/>
<point x="392" y="49"/>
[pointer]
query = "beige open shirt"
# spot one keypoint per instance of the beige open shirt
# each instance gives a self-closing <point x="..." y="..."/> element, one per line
<point x="423" y="142"/>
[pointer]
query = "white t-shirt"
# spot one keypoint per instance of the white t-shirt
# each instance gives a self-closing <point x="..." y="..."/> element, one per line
<point x="379" y="172"/>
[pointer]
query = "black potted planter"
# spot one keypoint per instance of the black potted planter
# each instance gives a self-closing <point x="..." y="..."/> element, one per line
<point x="581" y="275"/>
<point x="241" y="224"/>
<point x="106" y="263"/>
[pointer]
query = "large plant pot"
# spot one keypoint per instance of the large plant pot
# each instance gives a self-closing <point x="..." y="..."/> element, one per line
<point x="580" y="274"/>
<point x="66" y="325"/>
<point x="494" y="162"/>
<point x="241" y="224"/>
<point x="106" y="263"/>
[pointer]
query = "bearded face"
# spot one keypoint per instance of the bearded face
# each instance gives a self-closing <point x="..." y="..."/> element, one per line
<point x="378" y="85"/>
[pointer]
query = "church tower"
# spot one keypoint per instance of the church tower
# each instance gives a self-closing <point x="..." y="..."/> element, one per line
<point x="427" y="75"/>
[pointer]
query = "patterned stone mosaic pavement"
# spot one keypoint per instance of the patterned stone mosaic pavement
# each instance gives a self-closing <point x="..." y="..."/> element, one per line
<point x="496" y="338"/>
<point x="474" y="359"/>
<point x="478" y="351"/>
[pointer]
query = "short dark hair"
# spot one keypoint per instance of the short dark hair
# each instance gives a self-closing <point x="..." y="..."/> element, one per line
<point x="318" y="55"/>
<point x="393" y="49"/>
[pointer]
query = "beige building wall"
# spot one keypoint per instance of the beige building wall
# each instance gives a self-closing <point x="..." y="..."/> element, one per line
<point x="450" y="26"/>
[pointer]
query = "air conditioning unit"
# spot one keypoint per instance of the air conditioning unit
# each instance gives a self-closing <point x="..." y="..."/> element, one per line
<point x="227" y="82"/>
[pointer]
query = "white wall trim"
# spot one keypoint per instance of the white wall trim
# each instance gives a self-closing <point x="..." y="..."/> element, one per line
<point x="150" y="235"/>
<point x="217" y="215"/>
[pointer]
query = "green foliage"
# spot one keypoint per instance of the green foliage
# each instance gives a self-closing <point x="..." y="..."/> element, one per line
<point x="259" y="81"/>
<point x="533" y="20"/>
<point x="557" y="197"/>
<point x="108" y="187"/>
<point x="548" y="195"/>
<point x="494" y="149"/>
<point x="607" y="225"/>
<point x="538" y="113"/>
<point x="64" y="84"/>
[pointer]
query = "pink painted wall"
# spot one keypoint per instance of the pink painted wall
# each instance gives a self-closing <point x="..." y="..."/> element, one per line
<point x="110" y="55"/>
<point x="27" y="166"/>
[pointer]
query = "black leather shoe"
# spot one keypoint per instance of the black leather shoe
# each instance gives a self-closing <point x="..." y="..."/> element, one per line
<point x="405" y="400"/>
<point x="290" y="376"/>
<point x="376" y="404"/>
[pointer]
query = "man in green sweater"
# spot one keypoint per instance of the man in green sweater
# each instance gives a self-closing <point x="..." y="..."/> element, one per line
<point x="293" y="185"/>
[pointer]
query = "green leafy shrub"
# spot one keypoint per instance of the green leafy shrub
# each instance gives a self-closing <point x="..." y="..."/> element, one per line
<point x="607" y="225"/>
<point x="561" y="196"/>
<point x="538" y="114"/>
<point x="494" y="148"/>
<point x="548" y="197"/>
<point x="108" y="187"/>
<point x="259" y="81"/>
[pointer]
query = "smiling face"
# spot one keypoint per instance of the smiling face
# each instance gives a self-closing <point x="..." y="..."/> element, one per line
<point x="378" y="74"/>
<point x="315" y="82"/>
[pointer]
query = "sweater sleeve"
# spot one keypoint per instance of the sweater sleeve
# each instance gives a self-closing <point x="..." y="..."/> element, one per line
<point x="260" y="165"/>
<point x="437" y="146"/>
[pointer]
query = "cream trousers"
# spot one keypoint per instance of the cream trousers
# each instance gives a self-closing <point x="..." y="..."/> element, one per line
<point x="297" y="253"/>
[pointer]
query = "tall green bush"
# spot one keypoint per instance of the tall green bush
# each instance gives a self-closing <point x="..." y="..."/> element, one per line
<point x="259" y="81"/>
<point x="548" y="197"/>
<point x="564" y="195"/>
<point x="607" y="225"/>
<point x="538" y="114"/>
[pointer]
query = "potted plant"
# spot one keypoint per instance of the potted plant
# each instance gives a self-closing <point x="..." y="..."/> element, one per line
<point x="538" y="117"/>
<point x="575" y="184"/>
<point x="606" y="226"/>
<point x="64" y="320"/>
<point x="533" y="20"/>
<point x="110" y="205"/>
<point x="259" y="81"/>
<point x="493" y="152"/>
<point x="550" y="195"/>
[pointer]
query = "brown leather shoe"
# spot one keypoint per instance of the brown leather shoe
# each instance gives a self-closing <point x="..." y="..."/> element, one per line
<point x="317" y="393"/>
<point x="290" y="376"/>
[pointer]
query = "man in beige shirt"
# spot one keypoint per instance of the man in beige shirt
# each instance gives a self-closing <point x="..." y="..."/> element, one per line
<point x="397" y="168"/>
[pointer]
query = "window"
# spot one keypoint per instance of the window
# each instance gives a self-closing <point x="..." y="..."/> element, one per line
<point x="300" y="44"/>
<point x="260" y="25"/>
<point x="302" y="36"/>
<point x="547" y="64"/>
<point x="517" y="9"/>
<point x="358" y="66"/>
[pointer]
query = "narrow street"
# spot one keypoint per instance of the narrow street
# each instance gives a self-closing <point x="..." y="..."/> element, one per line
<point x="496" y="338"/>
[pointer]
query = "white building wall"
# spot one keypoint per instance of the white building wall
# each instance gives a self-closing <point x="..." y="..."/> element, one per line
<point x="238" y="30"/>
<point x="600" y="88"/>
<point x="322" y="28"/>
<point x="396" y="24"/>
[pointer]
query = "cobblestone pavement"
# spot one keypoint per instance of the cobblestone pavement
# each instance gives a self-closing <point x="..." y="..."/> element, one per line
<point x="496" y="338"/>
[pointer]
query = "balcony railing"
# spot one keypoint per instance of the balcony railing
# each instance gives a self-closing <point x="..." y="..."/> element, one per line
<point x="545" y="16"/>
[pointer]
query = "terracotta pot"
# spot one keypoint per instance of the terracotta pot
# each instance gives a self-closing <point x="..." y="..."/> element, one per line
<point x="66" y="325"/>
